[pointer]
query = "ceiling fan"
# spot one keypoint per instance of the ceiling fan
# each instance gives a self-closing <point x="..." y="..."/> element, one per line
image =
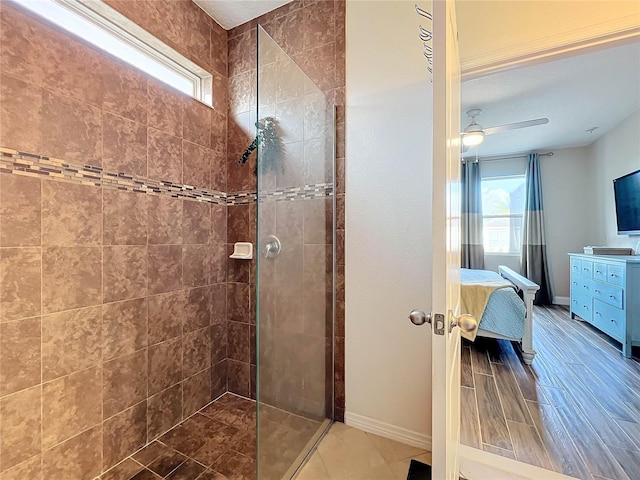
<point x="474" y="133"/>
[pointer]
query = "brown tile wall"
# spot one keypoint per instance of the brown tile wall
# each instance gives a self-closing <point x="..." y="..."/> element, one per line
<point x="112" y="304"/>
<point x="312" y="33"/>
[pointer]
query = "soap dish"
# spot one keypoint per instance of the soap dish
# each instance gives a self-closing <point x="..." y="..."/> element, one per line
<point x="242" y="251"/>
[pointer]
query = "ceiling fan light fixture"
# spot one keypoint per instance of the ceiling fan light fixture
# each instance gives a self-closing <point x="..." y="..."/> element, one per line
<point x="472" y="138"/>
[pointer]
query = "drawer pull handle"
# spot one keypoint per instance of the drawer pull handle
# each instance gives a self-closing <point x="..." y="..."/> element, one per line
<point x="584" y="306"/>
<point x="612" y="296"/>
<point x="585" y="269"/>
<point x="614" y="275"/>
<point x="613" y="321"/>
<point x="598" y="313"/>
<point x="575" y="283"/>
<point x="585" y="286"/>
<point x="597" y="291"/>
<point x="598" y="271"/>
<point x="575" y="301"/>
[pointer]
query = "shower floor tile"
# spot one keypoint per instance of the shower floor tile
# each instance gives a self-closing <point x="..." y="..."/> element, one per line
<point x="216" y="443"/>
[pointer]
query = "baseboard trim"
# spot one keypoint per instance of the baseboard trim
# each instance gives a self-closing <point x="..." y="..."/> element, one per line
<point x="392" y="432"/>
<point x="561" y="301"/>
<point x="480" y="465"/>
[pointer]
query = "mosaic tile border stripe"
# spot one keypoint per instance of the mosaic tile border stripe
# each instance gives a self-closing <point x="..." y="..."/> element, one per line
<point x="39" y="166"/>
<point x="282" y="194"/>
<point x="21" y="163"/>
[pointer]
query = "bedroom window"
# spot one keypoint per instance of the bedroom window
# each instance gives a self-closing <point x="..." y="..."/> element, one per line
<point x="502" y="210"/>
<point x="108" y="30"/>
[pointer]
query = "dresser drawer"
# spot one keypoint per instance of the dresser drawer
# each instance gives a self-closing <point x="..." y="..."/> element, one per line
<point x="608" y="293"/>
<point x="585" y="285"/>
<point x="576" y="268"/>
<point x="600" y="271"/>
<point x="609" y="319"/>
<point x="581" y="305"/>
<point x="615" y="275"/>
<point x="586" y="267"/>
<point x="575" y="283"/>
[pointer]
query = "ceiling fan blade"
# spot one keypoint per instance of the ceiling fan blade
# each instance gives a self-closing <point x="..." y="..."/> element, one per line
<point x="514" y="126"/>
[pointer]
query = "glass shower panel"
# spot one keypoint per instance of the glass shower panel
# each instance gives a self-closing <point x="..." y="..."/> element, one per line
<point x="295" y="169"/>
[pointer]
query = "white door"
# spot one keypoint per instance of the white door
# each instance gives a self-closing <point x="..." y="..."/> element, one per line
<point x="445" y="344"/>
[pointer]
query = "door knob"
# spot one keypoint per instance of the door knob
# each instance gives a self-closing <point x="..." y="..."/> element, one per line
<point x="418" y="317"/>
<point x="466" y="322"/>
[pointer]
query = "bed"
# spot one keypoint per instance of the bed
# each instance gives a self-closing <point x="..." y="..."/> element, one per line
<point x="508" y="313"/>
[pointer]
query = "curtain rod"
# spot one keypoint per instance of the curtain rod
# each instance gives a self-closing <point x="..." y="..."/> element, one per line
<point x="504" y="157"/>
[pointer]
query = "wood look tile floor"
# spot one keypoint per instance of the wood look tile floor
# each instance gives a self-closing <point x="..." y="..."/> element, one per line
<point x="346" y="453"/>
<point x="574" y="410"/>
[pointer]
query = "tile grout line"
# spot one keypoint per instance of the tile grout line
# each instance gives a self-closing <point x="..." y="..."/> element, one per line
<point x="504" y="417"/>
<point x="41" y="344"/>
<point x="102" y="325"/>
<point x="544" y="444"/>
<point x="475" y="397"/>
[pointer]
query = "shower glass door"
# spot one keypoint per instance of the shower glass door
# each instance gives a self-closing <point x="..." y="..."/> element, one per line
<point x="295" y="304"/>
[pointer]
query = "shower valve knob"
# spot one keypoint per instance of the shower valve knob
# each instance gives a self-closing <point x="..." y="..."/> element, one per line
<point x="272" y="246"/>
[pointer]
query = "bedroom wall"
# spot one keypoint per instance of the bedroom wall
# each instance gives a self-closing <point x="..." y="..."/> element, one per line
<point x="388" y="216"/>
<point x="578" y="194"/>
<point x="614" y="154"/>
<point x="567" y="187"/>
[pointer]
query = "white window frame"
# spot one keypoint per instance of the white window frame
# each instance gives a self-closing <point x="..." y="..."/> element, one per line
<point x="509" y="216"/>
<point x="90" y="20"/>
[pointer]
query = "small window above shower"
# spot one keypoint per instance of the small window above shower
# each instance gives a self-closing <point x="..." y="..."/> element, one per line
<point x="98" y="24"/>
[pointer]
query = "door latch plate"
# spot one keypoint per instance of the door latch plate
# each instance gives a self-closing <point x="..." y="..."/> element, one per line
<point x="438" y="324"/>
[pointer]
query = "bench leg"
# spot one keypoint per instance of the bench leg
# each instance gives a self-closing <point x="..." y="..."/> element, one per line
<point x="527" y="339"/>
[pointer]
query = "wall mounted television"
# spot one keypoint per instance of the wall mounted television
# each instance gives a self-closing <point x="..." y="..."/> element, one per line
<point x="627" y="198"/>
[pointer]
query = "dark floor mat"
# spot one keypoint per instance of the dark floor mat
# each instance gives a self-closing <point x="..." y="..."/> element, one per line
<point x="419" y="471"/>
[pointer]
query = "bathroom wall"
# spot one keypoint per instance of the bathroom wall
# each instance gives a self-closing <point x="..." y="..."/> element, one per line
<point x="312" y="34"/>
<point x="389" y="104"/>
<point x="112" y="302"/>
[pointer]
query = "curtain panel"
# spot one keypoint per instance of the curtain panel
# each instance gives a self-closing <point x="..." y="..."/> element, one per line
<point x="534" y="263"/>
<point x="472" y="248"/>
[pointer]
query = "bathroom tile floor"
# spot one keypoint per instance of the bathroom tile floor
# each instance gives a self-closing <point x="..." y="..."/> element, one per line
<point x="219" y="443"/>
<point x="346" y="453"/>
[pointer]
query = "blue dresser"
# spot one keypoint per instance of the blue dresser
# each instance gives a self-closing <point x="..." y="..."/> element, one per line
<point x="605" y="291"/>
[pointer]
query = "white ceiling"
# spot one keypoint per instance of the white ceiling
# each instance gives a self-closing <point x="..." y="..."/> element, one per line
<point x="231" y="13"/>
<point x="598" y="89"/>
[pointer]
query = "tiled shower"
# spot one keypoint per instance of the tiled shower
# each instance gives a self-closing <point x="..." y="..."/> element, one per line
<point x="121" y="314"/>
